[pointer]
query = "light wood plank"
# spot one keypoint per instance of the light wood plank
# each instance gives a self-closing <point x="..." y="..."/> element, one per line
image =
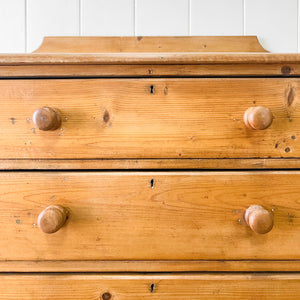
<point x="147" y="71"/>
<point x="160" y="287"/>
<point x="150" y="44"/>
<point x="151" y="266"/>
<point x="181" y="58"/>
<point x="125" y="164"/>
<point x="122" y="118"/>
<point x="122" y="216"/>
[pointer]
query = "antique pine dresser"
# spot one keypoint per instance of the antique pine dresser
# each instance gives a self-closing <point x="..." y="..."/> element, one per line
<point x="150" y="168"/>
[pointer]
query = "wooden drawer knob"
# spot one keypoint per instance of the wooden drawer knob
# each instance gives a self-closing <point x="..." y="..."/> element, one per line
<point x="259" y="219"/>
<point x="258" y="117"/>
<point x="46" y="118"/>
<point x="52" y="218"/>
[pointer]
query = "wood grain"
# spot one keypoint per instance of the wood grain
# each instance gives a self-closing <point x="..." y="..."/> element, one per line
<point x="95" y="70"/>
<point x="159" y="58"/>
<point x="150" y="44"/>
<point x="129" y="216"/>
<point x="149" y="118"/>
<point x="151" y="266"/>
<point x="149" y="164"/>
<point x="161" y="287"/>
<point x="52" y="218"/>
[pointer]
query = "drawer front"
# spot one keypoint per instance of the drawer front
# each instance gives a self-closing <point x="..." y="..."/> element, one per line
<point x="149" y="118"/>
<point x="148" y="215"/>
<point x="171" y="287"/>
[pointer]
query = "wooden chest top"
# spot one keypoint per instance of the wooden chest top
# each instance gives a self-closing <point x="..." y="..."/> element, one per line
<point x="150" y="102"/>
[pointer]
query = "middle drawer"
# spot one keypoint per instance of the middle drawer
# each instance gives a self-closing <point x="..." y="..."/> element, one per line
<point x="149" y="215"/>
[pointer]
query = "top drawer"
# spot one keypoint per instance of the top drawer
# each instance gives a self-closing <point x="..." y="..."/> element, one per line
<point x="149" y="118"/>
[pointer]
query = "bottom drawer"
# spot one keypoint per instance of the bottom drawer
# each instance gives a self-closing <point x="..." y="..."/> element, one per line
<point x="180" y="286"/>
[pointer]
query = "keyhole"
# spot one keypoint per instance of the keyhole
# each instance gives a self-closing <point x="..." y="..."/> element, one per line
<point x="152" y="181"/>
<point x="151" y="89"/>
<point x="152" y="288"/>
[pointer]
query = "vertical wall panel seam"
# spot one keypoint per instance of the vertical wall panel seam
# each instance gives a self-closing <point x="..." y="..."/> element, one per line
<point x="189" y="17"/>
<point x="244" y="17"/>
<point x="25" y="26"/>
<point x="80" y="14"/>
<point x="134" y="17"/>
<point x="298" y="13"/>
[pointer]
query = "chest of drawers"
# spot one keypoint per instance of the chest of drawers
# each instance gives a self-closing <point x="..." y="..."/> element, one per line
<point x="150" y="168"/>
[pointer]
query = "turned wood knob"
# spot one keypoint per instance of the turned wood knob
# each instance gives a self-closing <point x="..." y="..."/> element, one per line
<point x="46" y="118"/>
<point x="259" y="219"/>
<point x="258" y="117"/>
<point x="52" y="218"/>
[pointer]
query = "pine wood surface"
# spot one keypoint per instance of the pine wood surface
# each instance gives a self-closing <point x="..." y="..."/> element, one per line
<point x="151" y="164"/>
<point x="151" y="71"/>
<point x="171" y="44"/>
<point x="129" y="216"/>
<point x="149" y="57"/>
<point x="148" y="221"/>
<point x="160" y="287"/>
<point x="150" y="266"/>
<point x="183" y="58"/>
<point x="149" y="118"/>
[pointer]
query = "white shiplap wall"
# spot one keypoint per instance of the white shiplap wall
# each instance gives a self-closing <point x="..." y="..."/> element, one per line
<point x="24" y="23"/>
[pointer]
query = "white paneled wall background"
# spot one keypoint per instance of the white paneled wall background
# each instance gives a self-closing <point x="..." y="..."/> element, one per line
<point x="24" y="23"/>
